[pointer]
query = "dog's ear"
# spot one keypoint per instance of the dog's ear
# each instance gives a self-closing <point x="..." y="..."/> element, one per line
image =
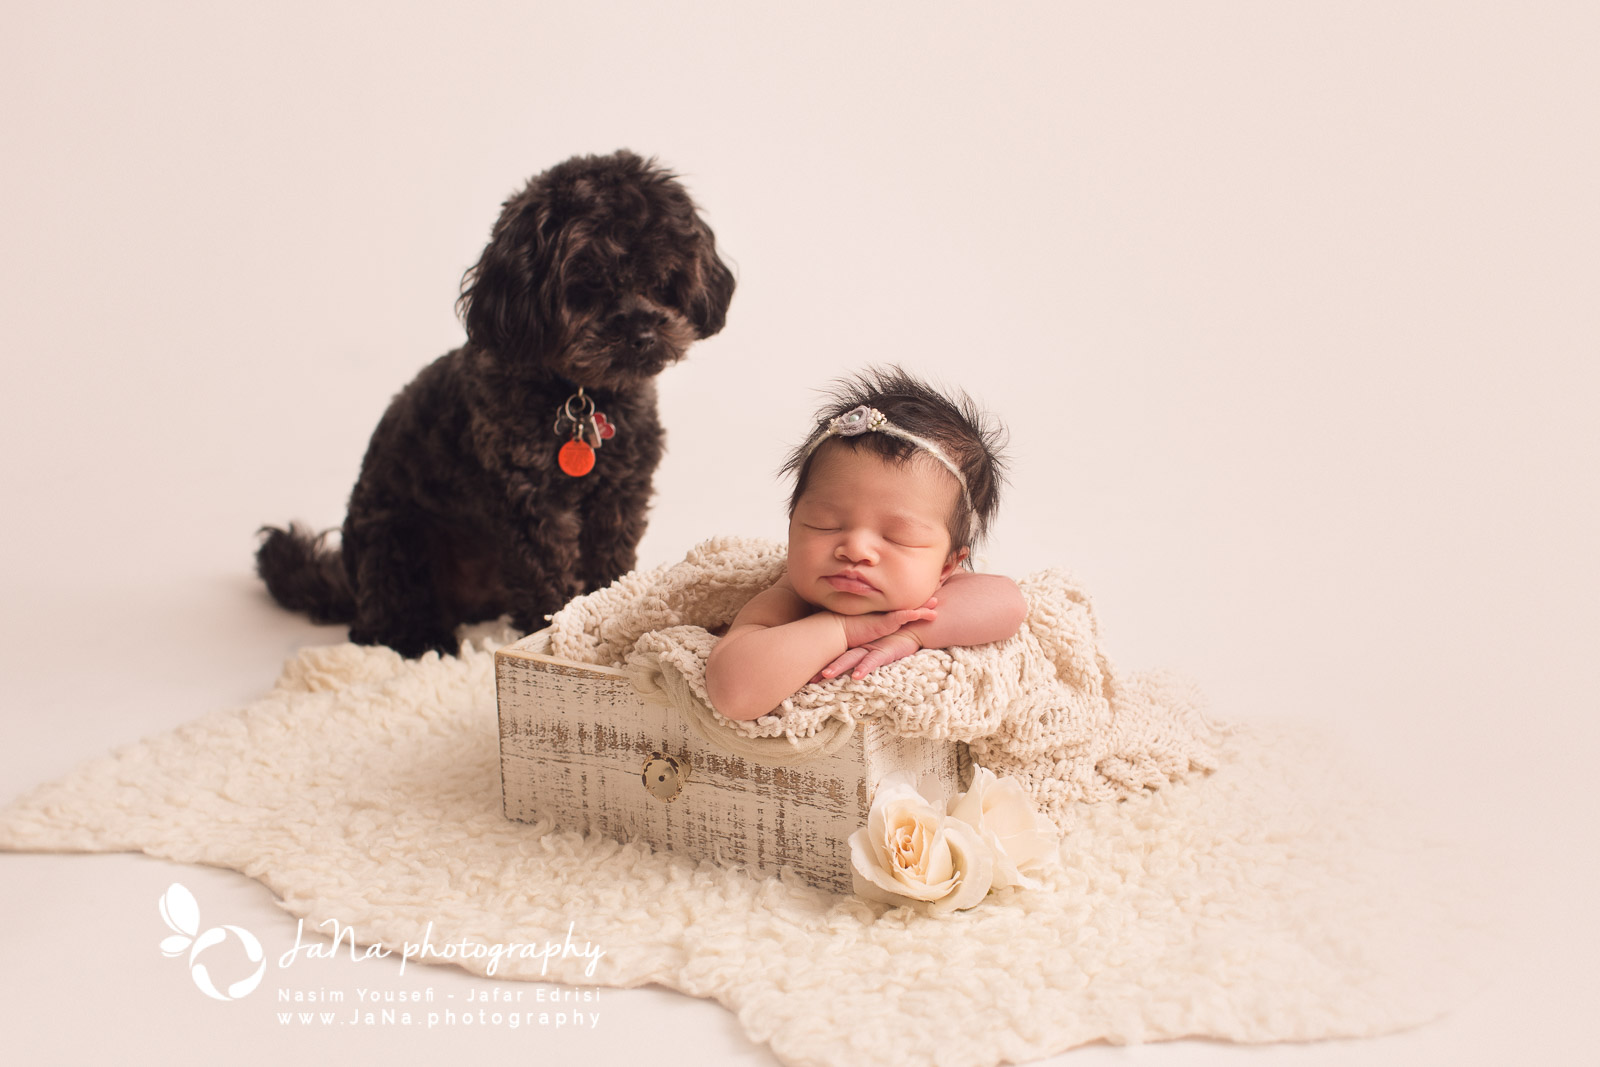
<point x="708" y="301"/>
<point x="500" y="302"/>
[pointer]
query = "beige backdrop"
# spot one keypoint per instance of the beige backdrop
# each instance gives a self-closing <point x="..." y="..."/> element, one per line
<point x="1290" y="310"/>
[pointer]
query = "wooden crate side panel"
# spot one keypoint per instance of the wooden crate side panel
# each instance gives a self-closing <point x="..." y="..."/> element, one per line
<point x="573" y="746"/>
<point x="884" y="752"/>
<point x="574" y="741"/>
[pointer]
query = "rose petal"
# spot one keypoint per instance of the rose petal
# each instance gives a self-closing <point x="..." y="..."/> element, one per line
<point x="974" y="863"/>
<point x="901" y="890"/>
<point x="968" y="806"/>
<point x="868" y="890"/>
<point x="901" y="823"/>
<point x="1003" y="814"/>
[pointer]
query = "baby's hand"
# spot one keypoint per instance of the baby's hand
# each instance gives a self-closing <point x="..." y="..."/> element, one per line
<point x="865" y="659"/>
<point x="860" y="629"/>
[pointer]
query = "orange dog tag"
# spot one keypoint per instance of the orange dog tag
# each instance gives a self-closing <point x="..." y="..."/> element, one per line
<point x="576" y="458"/>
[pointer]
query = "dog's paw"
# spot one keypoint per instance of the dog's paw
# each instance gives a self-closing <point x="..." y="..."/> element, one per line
<point x="409" y="645"/>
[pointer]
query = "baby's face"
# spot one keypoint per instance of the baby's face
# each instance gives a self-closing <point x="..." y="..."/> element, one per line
<point x="871" y="535"/>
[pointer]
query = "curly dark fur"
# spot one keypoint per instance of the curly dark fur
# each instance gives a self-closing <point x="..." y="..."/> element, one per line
<point x="599" y="274"/>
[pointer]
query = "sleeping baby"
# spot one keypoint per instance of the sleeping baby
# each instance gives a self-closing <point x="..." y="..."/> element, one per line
<point x="893" y="488"/>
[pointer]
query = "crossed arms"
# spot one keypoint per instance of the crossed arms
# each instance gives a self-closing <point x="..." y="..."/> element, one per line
<point x="778" y="642"/>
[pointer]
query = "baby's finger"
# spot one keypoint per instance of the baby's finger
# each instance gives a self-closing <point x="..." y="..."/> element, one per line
<point x="874" y="659"/>
<point x="900" y="618"/>
<point x="843" y="663"/>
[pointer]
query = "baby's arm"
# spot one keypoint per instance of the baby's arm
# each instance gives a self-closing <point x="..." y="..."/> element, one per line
<point x="974" y="609"/>
<point x="777" y="643"/>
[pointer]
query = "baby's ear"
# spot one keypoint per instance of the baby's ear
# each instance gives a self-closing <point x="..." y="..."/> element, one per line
<point x="957" y="558"/>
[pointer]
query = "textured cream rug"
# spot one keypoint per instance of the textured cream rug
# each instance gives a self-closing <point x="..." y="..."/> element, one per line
<point x="1257" y="903"/>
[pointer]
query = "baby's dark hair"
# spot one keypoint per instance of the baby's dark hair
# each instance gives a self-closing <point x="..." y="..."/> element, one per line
<point x="971" y="439"/>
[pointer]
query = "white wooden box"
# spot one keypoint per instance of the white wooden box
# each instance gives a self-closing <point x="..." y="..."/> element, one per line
<point x="575" y="740"/>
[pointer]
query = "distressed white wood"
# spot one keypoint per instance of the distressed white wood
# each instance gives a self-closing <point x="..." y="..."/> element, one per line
<point x="574" y="740"/>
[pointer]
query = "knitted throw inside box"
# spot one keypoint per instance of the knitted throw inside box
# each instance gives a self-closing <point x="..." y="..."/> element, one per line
<point x="1047" y="706"/>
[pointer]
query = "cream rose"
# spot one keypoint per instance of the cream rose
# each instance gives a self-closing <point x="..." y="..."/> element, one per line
<point x="912" y="854"/>
<point x="1002" y="814"/>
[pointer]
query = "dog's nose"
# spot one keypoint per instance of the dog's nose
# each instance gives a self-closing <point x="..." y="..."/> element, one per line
<point x="638" y="329"/>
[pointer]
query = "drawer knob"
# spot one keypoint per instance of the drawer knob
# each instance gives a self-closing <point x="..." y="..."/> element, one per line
<point x="663" y="776"/>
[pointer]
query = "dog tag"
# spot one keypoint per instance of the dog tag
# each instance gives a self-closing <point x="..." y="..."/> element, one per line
<point x="588" y="428"/>
<point x="576" y="458"/>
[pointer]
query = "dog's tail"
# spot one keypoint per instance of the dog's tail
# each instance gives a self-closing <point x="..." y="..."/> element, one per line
<point x="305" y="574"/>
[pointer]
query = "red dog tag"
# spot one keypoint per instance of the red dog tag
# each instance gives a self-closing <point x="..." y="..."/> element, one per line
<point x="576" y="458"/>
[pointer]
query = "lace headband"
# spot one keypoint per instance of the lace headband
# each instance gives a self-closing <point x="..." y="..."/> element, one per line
<point x="864" y="419"/>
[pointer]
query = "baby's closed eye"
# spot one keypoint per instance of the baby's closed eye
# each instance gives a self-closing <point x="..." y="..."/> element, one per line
<point x="909" y="536"/>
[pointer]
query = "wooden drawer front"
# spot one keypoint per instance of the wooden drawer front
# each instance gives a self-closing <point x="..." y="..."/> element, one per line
<point x="574" y="741"/>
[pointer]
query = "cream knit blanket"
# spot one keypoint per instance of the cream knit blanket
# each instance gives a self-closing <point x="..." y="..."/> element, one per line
<point x="1046" y="706"/>
<point x="1278" y="899"/>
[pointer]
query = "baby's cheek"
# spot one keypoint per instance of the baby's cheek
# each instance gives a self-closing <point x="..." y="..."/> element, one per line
<point x="934" y="584"/>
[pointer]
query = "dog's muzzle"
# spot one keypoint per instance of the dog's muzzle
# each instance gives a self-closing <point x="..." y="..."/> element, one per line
<point x="638" y="330"/>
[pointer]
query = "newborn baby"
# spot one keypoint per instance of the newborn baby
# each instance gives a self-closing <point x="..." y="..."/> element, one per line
<point x="892" y="489"/>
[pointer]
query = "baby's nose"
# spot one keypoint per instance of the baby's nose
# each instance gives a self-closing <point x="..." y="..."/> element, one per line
<point x="858" y="546"/>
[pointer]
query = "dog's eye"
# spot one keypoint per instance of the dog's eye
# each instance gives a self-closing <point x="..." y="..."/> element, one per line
<point x="583" y="293"/>
<point x="668" y="291"/>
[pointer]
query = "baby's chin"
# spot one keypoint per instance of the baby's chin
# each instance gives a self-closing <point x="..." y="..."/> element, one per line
<point x="855" y="604"/>
<point x="843" y="605"/>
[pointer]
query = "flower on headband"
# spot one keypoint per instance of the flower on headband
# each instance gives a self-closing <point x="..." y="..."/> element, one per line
<point x="857" y="421"/>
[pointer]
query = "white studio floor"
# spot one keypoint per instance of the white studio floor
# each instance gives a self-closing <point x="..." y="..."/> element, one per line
<point x="1290" y="316"/>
